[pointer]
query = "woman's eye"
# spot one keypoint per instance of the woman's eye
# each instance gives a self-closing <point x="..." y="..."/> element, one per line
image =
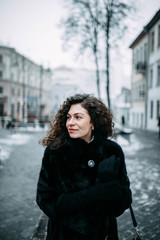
<point x="68" y="117"/>
<point x="78" y="117"/>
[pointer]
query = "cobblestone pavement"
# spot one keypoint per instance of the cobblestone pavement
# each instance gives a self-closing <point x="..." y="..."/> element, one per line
<point x="24" y="220"/>
<point x="18" y="178"/>
<point x="143" y="165"/>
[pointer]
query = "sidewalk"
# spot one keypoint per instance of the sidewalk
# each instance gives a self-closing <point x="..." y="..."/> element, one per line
<point x="4" y="132"/>
<point x="147" y="134"/>
<point x="40" y="228"/>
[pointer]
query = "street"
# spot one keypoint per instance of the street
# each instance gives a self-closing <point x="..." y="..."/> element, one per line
<point x="143" y="165"/>
<point x="19" y="171"/>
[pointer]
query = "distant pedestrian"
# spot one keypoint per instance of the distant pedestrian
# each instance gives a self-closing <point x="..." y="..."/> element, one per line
<point x="123" y="121"/>
<point x="159" y="126"/>
<point x="9" y="124"/>
<point x="83" y="184"/>
<point x="2" y="122"/>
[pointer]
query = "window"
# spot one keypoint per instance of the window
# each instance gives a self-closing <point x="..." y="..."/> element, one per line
<point x="1" y="74"/>
<point x="1" y="90"/>
<point x="1" y="109"/>
<point x="142" y="92"/>
<point x="158" y="108"/>
<point x="133" y="118"/>
<point x="145" y="52"/>
<point x="138" y="56"/>
<point x="18" y="107"/>
<point x="19" y="92"/>
<point x="152" y="42"/>
<point x="141" y="120"/>
<point x="1" y="59"/>
<point x="13" y="91"/>
<point x="133" y="58"/>
<point x="151" y="109"/>
<point x="158" y="75"/>
<point x="159" y="35"/>
<point x="141" y="54"/>
<point x="139" y="91"/>
<point x="137" y="119"/>
<point x="151" y="78"/>
<point x="12" y="110"/>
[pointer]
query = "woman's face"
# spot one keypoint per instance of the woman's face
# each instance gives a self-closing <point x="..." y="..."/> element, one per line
<point x="79" y="123"/>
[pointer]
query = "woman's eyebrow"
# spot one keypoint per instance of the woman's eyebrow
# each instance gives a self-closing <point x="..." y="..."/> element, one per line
<point x="75" y="113"/>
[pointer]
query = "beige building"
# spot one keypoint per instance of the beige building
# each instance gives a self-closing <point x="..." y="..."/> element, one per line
<point x="145" y="82"/>
<point x="25" y="88"/>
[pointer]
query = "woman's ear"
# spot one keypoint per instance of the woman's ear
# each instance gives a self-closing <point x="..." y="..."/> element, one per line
<point x="92" y="126"/>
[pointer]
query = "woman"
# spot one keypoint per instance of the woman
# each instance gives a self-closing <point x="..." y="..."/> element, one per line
<point x="83" y="184"/>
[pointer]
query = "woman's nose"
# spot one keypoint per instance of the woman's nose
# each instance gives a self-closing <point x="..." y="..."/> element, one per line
<point x="71" y="121"/>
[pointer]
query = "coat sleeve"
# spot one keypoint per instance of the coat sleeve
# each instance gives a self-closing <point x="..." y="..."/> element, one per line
<point x="92" y="196"/>
<point x="47" y="192"/>
<point x="126" y="196"/>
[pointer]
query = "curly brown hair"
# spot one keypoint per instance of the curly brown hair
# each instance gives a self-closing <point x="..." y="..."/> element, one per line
<point x="101" y="118"/>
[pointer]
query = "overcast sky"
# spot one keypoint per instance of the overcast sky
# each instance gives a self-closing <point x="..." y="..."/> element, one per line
<point x="30" y="26"/>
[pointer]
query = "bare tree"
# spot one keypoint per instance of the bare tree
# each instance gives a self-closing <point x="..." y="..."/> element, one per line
<point x="112" y="13"/>
<point x="79" y="25"/>
<point x="104" y="16"/>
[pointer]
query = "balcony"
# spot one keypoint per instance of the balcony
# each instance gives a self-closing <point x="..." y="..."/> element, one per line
<point x="3" y="98"/>
<point x="141" y="67"/>
<point x="142" y="94"/>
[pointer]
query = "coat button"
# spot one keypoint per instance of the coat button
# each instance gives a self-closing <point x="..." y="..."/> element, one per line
<point x="91" y="163"/>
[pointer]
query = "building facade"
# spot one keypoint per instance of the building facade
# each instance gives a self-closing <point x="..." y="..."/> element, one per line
<point x="145" y="80"/>
<point x="154" y="76"/>
<point x="25" y="90"/>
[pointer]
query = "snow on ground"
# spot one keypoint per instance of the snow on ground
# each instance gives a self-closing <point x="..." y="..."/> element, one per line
<point x="4" y="153"/>
<point x="11" y="140"/>
<point x="131" y="144"/>
<point x="143" y="174"/>
<point x="15" y="139"/>
<point x="37" y="128"/>
<point x="17" y="136"/>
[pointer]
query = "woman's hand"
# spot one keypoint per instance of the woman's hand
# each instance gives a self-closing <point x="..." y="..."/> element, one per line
<point x="108" y="169"/>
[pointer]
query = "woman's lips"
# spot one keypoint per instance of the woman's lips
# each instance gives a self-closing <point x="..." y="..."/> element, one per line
<point x="72" y="130"/>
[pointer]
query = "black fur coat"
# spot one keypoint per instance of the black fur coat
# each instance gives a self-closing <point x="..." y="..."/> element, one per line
<point x="65" y="171"/>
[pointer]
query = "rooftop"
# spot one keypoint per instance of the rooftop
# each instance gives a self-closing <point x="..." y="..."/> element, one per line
<point x="146" y="28"/>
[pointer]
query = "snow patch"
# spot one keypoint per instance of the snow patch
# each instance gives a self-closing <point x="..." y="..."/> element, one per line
<point x="15" y="139"/>
<point x="6" y="144"/>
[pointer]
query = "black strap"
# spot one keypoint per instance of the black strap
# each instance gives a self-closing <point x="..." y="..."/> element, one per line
<point x="135" y="223"/>
<point x="133" y="216"/>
